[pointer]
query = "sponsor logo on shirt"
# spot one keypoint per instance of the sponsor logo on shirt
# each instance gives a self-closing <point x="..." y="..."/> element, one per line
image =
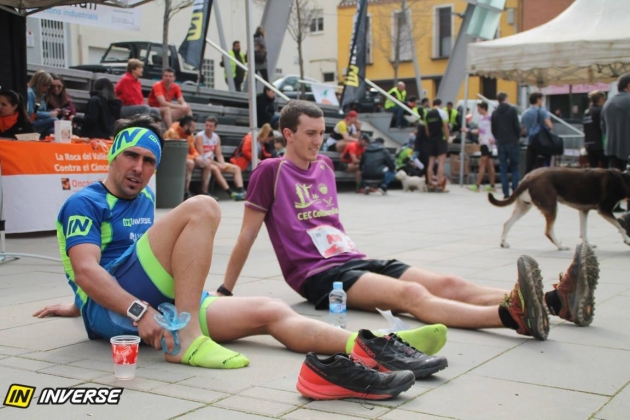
<point x="78" y="226"/>
<point x="138" y="221"/>
<point x="304" y="195"/>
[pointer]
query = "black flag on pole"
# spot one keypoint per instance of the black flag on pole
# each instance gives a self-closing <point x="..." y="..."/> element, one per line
<point x="194" y="46"/>
<point x="354" y="83"/>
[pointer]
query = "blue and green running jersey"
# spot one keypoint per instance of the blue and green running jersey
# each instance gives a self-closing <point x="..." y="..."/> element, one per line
<point x="94" y="216"/>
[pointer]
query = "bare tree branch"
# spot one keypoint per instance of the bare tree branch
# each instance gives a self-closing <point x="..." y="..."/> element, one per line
<point x="183" y="5"/>
<point x="302" y="13"/>
<point x="390" y="42"/>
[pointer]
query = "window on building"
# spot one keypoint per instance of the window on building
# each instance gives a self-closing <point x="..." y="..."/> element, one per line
<point x="369" y="58"/>
<point x="443" y="35"/>
<point x="436" y="85"/>
<point x="317" y="22"/>
<point x="207" y="70"/>
<point x="489" y="87"/>
<point x="53" y="43"/>
<point x="402" y="38"/>
<point x="329" y="77"/>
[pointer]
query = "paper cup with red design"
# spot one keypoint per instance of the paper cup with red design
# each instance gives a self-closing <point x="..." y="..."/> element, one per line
<point x="125" y="355"/>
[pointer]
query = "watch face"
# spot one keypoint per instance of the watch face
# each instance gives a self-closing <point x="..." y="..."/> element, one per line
<point x="136" y="309"/>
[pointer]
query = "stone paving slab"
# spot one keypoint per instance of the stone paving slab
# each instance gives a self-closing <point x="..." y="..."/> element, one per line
<point x="479" y="398"/>
<point x="618" y="408"/>
<point x="579" y="373"/>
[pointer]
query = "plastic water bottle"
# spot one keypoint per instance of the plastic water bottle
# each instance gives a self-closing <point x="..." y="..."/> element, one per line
<point x="337" y="305"/>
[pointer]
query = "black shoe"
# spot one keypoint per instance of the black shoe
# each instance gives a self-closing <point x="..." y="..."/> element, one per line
<point x="391" y="353"/>
<point x="340" y="377"/>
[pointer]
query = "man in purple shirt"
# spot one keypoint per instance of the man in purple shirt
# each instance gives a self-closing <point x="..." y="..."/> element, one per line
<point x="296" y="198"/>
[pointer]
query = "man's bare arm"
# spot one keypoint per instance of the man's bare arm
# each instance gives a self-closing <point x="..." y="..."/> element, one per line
<point x="165" y="104"/>
<point x="60" y="309"/>
<point x="199" y="144"/>
<point x="95" y="281"/>
<point x="102" y="288"/>
<point x="252" y="222"/>
<point x="217" y="151"/>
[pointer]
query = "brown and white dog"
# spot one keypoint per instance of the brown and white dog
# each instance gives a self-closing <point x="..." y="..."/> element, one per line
<point x="582" y="189"/>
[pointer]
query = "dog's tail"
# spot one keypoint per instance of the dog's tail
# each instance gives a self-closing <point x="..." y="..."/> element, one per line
<point x="511" y="199"/>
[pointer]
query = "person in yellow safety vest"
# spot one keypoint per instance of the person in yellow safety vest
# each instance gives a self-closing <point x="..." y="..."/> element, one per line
<point x="453" y="117"/>
<point x="399" y="92"/>
<point x="411" y="103"/>
<point x="237" y="73"/>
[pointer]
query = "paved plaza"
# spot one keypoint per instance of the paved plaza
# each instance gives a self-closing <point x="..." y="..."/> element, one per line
<point x="579" y="373"/>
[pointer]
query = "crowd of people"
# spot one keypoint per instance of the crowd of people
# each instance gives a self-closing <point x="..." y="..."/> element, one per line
<point x="117" y="287"/>
<point x="498" y="131"/>
<point x="121" y="274"/>
<point x="48" y="101"/>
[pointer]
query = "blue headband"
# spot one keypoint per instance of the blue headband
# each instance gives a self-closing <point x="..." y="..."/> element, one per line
<point x="136" y="137"/>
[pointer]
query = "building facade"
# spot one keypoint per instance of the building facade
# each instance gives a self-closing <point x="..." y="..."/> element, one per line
<point x="61" y="44"/>
<point x="537" y="12"/>
<point x="433" y="25"/>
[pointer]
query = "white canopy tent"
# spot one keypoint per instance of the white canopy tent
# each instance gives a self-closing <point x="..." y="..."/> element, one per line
<point x="589" y="42"/>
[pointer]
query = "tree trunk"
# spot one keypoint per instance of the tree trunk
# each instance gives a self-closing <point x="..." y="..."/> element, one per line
<point x="165" y="23"/>
<point x="300" y="37"/>
<point x="399" y="22"/>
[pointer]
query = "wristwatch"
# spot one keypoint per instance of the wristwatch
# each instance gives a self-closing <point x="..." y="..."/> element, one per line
<point x="137" y="309"/>
<point x="224" y="291"/>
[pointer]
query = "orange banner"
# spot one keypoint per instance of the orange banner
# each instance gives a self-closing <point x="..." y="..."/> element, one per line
<point x="42" y="158"/>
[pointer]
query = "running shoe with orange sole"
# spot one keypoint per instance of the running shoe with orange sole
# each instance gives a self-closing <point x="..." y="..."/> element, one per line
<point x="340" y="377"/>
<point x="525" y="303"/>
<point x="577" y="286"/>
<point x="391" y="353"/>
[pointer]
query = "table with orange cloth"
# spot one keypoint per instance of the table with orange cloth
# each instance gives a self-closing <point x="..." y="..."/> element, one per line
<point x="39" y="176"/>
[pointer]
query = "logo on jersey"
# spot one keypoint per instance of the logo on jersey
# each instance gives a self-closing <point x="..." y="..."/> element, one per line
<point x="304" y="195"/>
<point x="78" y="226"/>
<point x="138" y="221"/>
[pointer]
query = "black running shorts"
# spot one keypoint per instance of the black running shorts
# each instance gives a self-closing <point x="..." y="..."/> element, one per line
<point x="435" y="147"/>
<point x="317" y="287"/>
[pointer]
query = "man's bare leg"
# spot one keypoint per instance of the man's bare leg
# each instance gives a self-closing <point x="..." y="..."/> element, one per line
<point x="341" y="145"/>
<point x="177" y="114"/>
<point x="491" y="172"/>
<point x="182" y="242"/>
<point x="452" y="287"/>
<point x="166" y="116"/>
<point x="206" y="174"/>
<point x="440" y="174"/>
<point x="230" y="319"/>
<point x="249" y="316"/>
<point x="236" y="173"/>
<point x="190" y="167"/>
<point x="376" y="291"/>
<point x="483" y="163"/>
<point x="216" y="172"/>
<point x="430" y="173"/>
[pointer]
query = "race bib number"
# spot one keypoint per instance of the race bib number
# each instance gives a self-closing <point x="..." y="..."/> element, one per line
<point x="330" y="241"/>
